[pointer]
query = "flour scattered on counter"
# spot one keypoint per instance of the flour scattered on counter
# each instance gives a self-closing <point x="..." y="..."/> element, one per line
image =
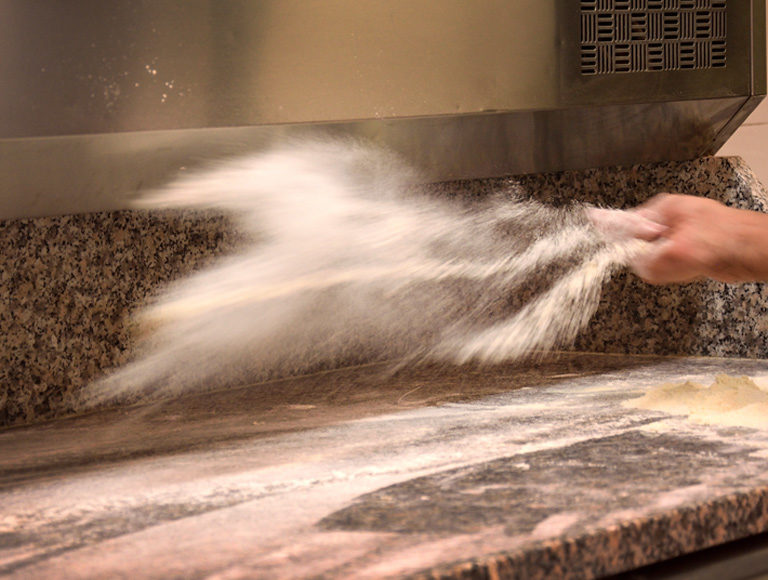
<point x="729" y="401"/>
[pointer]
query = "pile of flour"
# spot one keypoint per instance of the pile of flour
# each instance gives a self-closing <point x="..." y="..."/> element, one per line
<point x="353" y="261"/>
<point x="732" y="401"/>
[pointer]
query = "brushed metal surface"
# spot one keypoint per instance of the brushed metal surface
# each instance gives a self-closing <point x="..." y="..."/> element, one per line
<point x="86" y="66"/>
<point x="85" y="173"/>
<point x="101" y="100"/>
<point x="91" y="67"/>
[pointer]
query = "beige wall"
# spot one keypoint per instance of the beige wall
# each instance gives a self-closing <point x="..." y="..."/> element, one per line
<point x="751" y="142"/>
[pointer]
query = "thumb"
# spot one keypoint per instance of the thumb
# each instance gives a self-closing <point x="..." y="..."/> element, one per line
<point x="618" y="225"/>
<point x="659" y="264"/>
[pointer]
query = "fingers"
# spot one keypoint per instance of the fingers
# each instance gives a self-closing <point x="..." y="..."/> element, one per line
<point x="671" y="208"/>
<point x="690" y="237"/>
<point x="654" y="265"/>
<point x="618" y="225"/>
<point x="667" y="261"/>
<point x="646" y="228"/>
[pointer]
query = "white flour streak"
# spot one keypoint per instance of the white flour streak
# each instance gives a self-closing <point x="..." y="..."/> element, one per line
<point x="352" y="262"/>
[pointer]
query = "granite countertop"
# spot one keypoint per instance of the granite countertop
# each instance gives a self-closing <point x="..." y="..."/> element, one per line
<point x="519" y="472"/>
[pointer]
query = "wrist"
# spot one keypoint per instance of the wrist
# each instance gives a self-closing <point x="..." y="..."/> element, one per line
<point x="745" y="255"/>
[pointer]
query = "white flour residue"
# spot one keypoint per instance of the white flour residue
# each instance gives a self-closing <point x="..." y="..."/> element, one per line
<point x="730" y="401"/>
<point x="352" y="262"/>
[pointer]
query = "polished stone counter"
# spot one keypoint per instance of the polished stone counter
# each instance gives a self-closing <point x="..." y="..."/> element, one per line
<point x="532" y="471"/>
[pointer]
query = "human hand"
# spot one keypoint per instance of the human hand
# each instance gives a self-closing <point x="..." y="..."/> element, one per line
<point x="693" y="237"/>
<point x="696" y="241"/>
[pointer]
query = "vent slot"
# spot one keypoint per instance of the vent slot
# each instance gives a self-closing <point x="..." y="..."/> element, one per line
<point x="629" y="36"/>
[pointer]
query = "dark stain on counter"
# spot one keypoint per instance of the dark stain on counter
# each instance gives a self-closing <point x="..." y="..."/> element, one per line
<point x="587" y="479"/>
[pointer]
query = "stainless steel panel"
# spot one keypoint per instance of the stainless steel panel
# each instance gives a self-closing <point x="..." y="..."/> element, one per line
<point x="59" y="175"/>
<point x="88" y="66"/>
<point x="100" y="99"/>
<point x="758" y="49"/>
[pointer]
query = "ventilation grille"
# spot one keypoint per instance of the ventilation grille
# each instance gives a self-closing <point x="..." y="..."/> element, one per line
<point x="626" y="36"/>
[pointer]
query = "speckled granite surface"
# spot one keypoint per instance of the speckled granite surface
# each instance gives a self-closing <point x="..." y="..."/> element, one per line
<point x="67" y="287"/>
<point x="68" y="284"/>
<point x="356" y="474"/>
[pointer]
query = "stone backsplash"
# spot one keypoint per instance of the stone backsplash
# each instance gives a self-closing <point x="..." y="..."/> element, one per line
<point x="69" y="284"/>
